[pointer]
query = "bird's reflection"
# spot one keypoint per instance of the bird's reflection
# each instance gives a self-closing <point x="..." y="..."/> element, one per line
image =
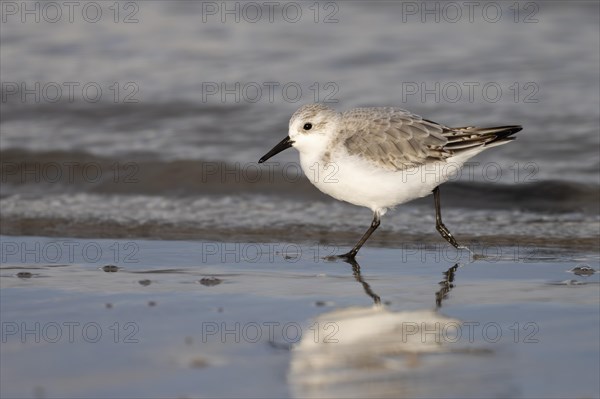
<point x="358" y="277"/>
<point x="379" y="351"/>
<point x="446" y="286"/>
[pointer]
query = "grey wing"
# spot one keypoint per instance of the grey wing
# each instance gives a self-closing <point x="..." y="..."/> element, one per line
<point x="393" y="138"/>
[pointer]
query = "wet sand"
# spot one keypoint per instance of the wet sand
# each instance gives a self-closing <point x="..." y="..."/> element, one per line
<point x="151" y="318"/>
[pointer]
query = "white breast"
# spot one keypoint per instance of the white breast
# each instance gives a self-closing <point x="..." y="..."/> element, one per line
<point x="359" y="182"/>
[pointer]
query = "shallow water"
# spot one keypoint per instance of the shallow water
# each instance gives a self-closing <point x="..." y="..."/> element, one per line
<point x="136" y="318"/>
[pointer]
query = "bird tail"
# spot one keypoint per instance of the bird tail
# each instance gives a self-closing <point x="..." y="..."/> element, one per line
<point x="469" y="137"/>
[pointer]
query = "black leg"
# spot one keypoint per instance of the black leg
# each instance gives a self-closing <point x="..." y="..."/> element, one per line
<point x="374" y="225"/>
<point x="439" y="225"/>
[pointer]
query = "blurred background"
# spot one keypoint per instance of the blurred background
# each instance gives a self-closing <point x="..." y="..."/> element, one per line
<point x="132" y="129"/>
<point x="147" y="118"/>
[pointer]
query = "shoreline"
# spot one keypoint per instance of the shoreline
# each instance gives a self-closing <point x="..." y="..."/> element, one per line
<point x="297" y="234"/>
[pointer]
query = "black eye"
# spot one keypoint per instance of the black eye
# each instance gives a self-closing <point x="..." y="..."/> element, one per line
<point x="307" y="126"/>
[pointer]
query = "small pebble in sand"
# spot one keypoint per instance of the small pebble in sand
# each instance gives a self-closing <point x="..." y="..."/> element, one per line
<point x="198" y="363"/>
<point x="145" y="283"/>
<point x="151" y="303"/>
<point x="583" y="270"/>
<point x="24" y="275"/>
<point x="324" y="303"/>
<point x="109" y="306"/>
<point x="110" y="268"/>
<point x="210" y="281"/>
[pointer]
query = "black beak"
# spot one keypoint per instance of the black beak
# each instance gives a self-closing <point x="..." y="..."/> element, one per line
<point x="282" y="145"/>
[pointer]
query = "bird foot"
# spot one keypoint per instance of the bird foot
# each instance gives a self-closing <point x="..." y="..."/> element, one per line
<point x="348" y="257"/>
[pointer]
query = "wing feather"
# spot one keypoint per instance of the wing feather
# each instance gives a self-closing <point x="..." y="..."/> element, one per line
<point x="393" y="138"/>
<point x="396" y="139"/>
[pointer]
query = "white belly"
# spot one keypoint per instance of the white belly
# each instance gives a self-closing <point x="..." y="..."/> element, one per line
<point x="358" y="182"/>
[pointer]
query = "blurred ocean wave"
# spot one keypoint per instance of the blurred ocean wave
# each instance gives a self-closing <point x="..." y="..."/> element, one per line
<point x="180" y="105"/>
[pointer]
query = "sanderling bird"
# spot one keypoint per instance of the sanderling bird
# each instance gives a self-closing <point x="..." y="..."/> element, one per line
<point x="382" y="157"/>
